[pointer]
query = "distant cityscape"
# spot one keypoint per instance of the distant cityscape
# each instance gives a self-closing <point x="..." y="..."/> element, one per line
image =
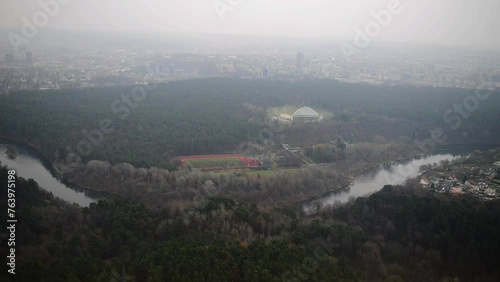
<point x="64" y="68"/>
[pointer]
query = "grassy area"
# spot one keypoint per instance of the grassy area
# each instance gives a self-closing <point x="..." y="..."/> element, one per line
<point x="215" y="163"/>
<point x="276" y="111"/>
<point x="269" y="173"/>
<point x="289" y="110"/>
<point x="262" y="173"/>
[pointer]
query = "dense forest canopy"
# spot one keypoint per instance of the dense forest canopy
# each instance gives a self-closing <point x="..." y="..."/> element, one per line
<point x="398" y="234"/>
<point x="189" y="225"/>
<point x="215" y="115"/>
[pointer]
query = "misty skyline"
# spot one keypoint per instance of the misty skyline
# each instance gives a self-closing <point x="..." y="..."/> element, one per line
<point x="445" y="22"/>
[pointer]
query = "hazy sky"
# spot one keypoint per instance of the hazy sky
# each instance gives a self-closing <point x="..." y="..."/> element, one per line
<point x="451" y="22"/>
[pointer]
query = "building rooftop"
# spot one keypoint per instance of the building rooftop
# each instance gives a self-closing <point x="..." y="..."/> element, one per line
<point x="305" y="112"/>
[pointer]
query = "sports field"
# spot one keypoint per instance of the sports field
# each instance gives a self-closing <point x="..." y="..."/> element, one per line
<point x="219" y="161"/>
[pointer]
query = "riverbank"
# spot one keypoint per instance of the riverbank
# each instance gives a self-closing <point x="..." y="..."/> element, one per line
<point x="343" y="169"/>
<point x="346" y="186"/>
<point x="442" y="149"/>
<point x="92" y="190"/>
<point x="370" y="183"/>
<point x="38" y="151"/>
<point x="30" y="165"/>
<point x="52" y="166"/>
<point x="477" y="175"/>
<point x="347" y="174"/>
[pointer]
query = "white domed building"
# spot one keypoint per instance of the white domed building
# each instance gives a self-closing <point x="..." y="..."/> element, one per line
<point x="306" y="115"/>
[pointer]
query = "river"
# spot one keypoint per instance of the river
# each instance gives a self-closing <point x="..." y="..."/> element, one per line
<point x="30" y="164"/>
<point x="374" y="180"/>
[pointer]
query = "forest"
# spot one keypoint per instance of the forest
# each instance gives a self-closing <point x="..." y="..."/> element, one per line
<point x="398" y="234"/>
<point x="217" y="115"/>
<point x="160" y="223"/>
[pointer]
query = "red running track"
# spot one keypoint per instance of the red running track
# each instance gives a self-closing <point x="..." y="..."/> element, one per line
<point x="250" y="162"/>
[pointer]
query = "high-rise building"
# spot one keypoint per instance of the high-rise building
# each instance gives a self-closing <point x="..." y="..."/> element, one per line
<point x="300" y="61"/>
<point x="266" y="73"/>
<point x="9" y="58"/>
<point x="29" y="57"/>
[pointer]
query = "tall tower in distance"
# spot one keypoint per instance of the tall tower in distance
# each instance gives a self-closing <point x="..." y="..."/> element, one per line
<point x="29" y="57"/>
<point x="300" y="61"/>
<point x="266" y="73"/>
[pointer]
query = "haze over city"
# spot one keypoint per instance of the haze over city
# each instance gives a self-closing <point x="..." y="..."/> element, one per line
<point x="444" y="22"/>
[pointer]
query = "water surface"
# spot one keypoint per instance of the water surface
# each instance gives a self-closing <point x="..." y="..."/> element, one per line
<point x="30" y="164"/>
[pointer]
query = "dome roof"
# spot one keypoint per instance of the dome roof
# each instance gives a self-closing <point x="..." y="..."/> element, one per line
<point x="306" y="112"/>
